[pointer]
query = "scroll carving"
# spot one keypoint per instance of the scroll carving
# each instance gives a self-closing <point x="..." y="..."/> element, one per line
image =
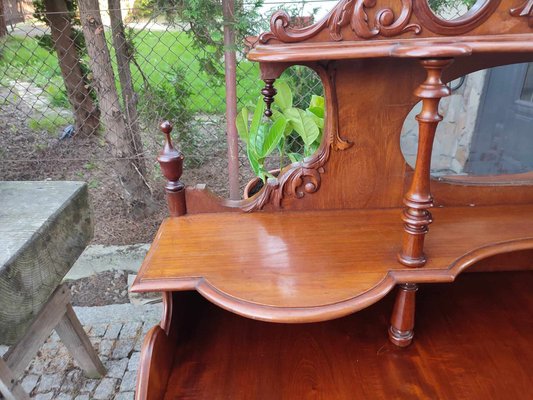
<point x="525" y="10"/>
<point x="347" y="12"/>
<point x="296" y="182"/>
<point x="305" y="177"/>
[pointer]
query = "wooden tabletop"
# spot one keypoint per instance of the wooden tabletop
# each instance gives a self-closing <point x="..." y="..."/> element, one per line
<point x="312" y="266"/>
<point x="44" y="227"/>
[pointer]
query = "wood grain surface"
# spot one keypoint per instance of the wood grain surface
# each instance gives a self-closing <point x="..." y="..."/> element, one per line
<point x="473" y="342"/>
<point x="311" y="266"/>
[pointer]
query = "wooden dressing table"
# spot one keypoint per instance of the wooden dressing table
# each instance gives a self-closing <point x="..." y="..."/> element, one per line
<point x="254" y="290"/>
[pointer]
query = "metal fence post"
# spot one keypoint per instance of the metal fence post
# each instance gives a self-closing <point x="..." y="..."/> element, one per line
<point x="230" y="61"/>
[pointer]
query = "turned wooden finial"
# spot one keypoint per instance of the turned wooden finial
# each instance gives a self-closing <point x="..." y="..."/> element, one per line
<point x="171" y="162"/>
<point x="268" y="92"/>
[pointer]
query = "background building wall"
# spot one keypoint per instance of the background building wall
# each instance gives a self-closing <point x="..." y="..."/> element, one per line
<point x="454" y="133"/>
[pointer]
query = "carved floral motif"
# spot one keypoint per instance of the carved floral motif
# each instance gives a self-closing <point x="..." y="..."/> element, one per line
<point x="524" y="10"/>
<point x="347" y="12"/>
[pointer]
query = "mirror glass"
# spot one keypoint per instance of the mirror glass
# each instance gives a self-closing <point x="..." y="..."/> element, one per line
<point x="487" y="127"/>
<point x="452" y="9"/>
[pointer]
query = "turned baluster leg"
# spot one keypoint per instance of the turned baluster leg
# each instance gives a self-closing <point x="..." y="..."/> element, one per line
<point x="418" y="200"/>
<point x="171" y="162"/>
<point x="401" y="330"/>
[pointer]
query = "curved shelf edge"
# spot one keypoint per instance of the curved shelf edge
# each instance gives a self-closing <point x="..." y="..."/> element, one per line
<point x="460" y="264"/>
<point x="296" y="315"/>
<point x="340" y="309"/>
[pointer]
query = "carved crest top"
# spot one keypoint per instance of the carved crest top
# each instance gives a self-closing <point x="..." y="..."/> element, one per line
<point x="365" y="20"/>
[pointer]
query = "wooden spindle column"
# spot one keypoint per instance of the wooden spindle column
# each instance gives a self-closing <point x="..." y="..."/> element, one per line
<point x="268" y="92"/>
<point x="418" y="200"/>
<point x="171" y="162"/>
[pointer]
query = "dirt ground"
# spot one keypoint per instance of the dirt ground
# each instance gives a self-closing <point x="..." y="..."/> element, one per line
<point x="110" y="287"/>
<point x="27" y="154"/>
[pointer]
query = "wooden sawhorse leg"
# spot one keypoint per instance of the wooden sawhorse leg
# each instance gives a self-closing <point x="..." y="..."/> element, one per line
<point x="9" y="387"/>
<point x="56" y="314"/>
<point x="402" y="326"/>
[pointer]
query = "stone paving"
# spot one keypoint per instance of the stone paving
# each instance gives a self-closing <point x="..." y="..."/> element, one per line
<point x="117" y="332"/>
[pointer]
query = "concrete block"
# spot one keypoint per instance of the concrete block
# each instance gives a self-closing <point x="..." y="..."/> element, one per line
<point x="44" y="227"/>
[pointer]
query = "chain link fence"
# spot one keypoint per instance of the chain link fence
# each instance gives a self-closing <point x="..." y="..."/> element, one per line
<point x="54" y="124"/>
<point x="53" y="89"/>
<point x="47" y="89"/>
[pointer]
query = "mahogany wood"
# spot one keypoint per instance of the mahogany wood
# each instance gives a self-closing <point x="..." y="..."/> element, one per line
<point x="159" y="346"/>
<point x="401" y="330"/>
<point x="333" y="250"/>
<point x="418" y="199"/>
<point x="265" y="266"/>
<point x="517" y="261"/>
<point x="359" y="20"/>
<point x="469" y="346"/>
<point x="268" y="92"/>
<point x="171" y="162"/>
<point x="155" y="365"/>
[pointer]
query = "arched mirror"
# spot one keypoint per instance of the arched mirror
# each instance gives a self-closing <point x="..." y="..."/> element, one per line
<point x="450" y="10"/>
<point x="487" y="127"/>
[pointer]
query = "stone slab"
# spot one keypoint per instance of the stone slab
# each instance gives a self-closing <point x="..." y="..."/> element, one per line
<point x="44" y="227"/>
<point x="99" y="258"/>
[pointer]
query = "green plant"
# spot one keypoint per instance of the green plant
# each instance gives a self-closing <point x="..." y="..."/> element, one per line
<point x="263" y="136"/>
<point x="93" y="184"/>
<point x="90" y="165"/>
<point x="51" y="123"/>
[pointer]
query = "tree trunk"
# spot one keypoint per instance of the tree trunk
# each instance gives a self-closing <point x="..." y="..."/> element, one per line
<point x="3" y="25"/>
<point x="123" y="53"/>
<point x="85" y="112"/>
<point x="136" y="191"/>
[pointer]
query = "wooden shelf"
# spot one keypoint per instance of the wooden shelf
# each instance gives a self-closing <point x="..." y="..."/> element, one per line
<point x="473" y="341"/>
<point x="315" y="266"/>
<point x="402" y="48"/>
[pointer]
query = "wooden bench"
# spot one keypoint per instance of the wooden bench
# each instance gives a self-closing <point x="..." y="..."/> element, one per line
<point x="335" y="234"/>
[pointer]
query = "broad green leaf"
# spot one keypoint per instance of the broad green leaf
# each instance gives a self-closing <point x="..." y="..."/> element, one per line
<point x="288" y="129"/>
<point x="318" y="111"/>
<point x="277" y="115"/>
<point x="242" y="124"/>
<point x="316" y="101"/>
<point x="295" y="157"/>
<point x="310" y="150"/>
<point x="259" y="139"/>
<point x="303" y="124"/>
<point x="319" y="121"/>
<point x="254" y="162"/>
<point x="273" y="136"/>
<point x="283" y="98"/>
<point x="257" y="118"/>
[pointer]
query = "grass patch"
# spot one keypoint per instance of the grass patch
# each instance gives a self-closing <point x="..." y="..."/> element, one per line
<point x="157" y="53"/>
<point x="53" y="124"/>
